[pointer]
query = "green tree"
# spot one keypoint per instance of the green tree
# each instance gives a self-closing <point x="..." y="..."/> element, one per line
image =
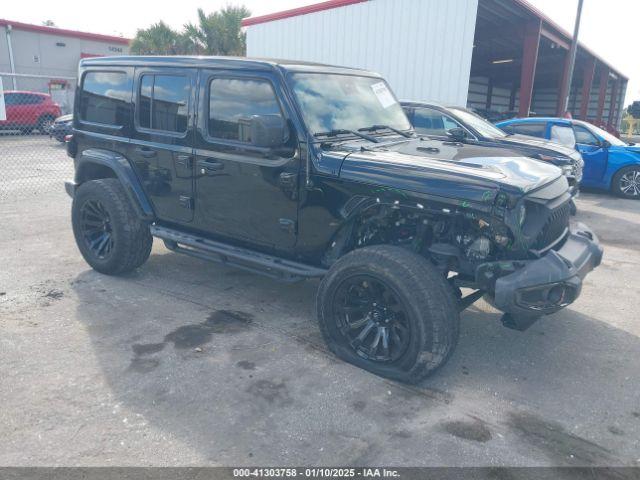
<point x="158" y="39"/>
<point x="218" y="33"/>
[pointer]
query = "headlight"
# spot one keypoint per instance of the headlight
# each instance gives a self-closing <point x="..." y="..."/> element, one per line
<point x="567" y="170"/>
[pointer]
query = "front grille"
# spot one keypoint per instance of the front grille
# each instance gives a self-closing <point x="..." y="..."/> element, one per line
<point x="555" y="226"/>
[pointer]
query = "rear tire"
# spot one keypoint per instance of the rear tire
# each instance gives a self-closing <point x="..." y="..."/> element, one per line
<point x="108" y="232"/>
<point x="626" y="183"/>
<point x="416" y="311"/>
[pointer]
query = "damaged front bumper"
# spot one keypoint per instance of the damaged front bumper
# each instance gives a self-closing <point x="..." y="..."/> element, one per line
<point x="525" y="290"/>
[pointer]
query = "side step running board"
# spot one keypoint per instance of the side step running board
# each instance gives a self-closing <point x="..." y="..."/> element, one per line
<point x="206" y="249"/>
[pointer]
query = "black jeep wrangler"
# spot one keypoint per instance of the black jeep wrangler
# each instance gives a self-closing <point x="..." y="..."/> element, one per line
<point x="299" y="170"/>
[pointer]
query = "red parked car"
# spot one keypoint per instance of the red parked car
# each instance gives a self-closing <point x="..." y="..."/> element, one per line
<point x="27" y="111"/>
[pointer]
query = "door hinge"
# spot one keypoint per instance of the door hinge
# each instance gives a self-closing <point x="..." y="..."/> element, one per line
<point x="186" y="202"/>
<point x="287" y="225"/>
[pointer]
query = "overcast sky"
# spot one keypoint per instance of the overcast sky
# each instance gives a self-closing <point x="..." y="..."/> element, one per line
<point x="608" y="26"/>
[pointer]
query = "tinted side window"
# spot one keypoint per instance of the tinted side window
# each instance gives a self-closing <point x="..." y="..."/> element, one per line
<point x="584" y="136"/>
<point x="531" y="129"/>
<point x="232" y="102"/>
<point x="11" y="99"/>
<point x="144" y="102"/>
<point x="164" y="102"/>
<point x="33" y="99"/>
<point x="104" y="97"/>
<point x="432" y="122"/>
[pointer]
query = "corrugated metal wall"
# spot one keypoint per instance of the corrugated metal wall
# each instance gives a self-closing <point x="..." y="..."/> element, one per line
<point x="422" y="47"/>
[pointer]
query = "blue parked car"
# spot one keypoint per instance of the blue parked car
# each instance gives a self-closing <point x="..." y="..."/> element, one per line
<point x="609" y="163"/>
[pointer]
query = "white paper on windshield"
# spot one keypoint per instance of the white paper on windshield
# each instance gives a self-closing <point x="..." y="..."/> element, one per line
<point x="383" y="94"/>
<point x="3" y="110"/>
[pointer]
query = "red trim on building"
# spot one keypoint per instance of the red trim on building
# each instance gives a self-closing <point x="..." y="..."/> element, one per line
<point x="90" y="55"/>
<point x="65" y="33"/>
<point x="294" y="12"/>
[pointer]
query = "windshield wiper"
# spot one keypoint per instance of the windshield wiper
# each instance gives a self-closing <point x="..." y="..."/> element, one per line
<point x="373" y="128"/>
<point x="341" y="131"/>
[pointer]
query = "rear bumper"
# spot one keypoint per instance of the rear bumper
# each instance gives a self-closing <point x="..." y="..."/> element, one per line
<point x="548" y="284"/>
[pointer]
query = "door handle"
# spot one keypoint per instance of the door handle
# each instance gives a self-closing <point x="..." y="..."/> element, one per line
<point x="146" y="152"/>
<point x="210" y="165"/>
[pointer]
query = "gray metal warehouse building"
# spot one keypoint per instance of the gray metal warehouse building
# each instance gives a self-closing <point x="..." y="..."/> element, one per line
<point x="494" y="55"/>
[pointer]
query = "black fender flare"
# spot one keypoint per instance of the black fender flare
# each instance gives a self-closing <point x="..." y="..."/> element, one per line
<point x="124" y="173"/>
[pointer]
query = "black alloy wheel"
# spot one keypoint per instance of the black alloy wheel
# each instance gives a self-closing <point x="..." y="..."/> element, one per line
<point x="372" y="319"/>
<point x="388" y="310"/>
<point x="96" y="228"/>
<point x="111" y="236"/>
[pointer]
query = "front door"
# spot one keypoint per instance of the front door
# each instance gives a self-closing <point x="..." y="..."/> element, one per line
<point x="595" y="156"/>
<point x="161" y="146"/>
<point x="244" y="192"/>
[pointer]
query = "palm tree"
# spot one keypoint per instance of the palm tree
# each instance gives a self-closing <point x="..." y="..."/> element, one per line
<point x="219" y="33"/>
<point x="158" y="39"/>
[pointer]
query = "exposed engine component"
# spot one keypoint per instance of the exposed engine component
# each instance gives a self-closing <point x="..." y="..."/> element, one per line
<point x="479" y="249"/>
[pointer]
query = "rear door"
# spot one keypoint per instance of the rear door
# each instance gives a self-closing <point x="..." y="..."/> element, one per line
<point x="244" y="192"/>
<point x="161" y="146"/>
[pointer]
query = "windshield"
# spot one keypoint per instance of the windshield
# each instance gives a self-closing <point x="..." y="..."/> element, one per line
<point x="604" y="135"/>
<point x="345" y="102"/>
<point x="482" y="126"/>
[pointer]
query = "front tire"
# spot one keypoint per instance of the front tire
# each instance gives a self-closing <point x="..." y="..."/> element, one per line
<point x="626" y="183"/>
<point x="389" y="311"/>
<point x="108" y="232"/>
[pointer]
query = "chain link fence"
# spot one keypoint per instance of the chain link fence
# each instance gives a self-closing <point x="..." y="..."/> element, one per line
<point x="35" y="117"/>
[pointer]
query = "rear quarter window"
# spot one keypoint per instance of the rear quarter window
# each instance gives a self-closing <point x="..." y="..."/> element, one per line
<point x="105" y="98"/>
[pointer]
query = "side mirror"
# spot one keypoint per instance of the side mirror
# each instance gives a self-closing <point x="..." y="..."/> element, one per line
<point x="605" y="144"/>
<point x="457" y="134"/>
<point x="267" y="131"/>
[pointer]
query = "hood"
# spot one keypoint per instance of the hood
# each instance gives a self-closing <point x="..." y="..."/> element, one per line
<point x="517" y="139"/>
<point x="446" y="169"/>
<point x="626" y="148"/>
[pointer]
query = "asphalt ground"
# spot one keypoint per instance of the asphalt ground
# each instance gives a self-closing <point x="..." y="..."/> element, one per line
<point x="190" y="363"/>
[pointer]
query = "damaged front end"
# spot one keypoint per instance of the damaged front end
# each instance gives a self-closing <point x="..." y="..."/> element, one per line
<point x="550" y="260"/>
<point x="518" y="251"/>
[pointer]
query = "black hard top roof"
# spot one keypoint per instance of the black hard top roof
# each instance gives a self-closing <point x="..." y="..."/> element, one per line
<point x="219" y="62"/>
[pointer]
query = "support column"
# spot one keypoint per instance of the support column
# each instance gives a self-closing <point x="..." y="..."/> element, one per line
<point x="512" y="97"/>
<point x="602" y="95"/>
<point x="564" y="89"/>
<point x="489" y="94"/>
<point x="587" y="82"/>
<point x="613" y="104"/>
<point x="529" y="60"/>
